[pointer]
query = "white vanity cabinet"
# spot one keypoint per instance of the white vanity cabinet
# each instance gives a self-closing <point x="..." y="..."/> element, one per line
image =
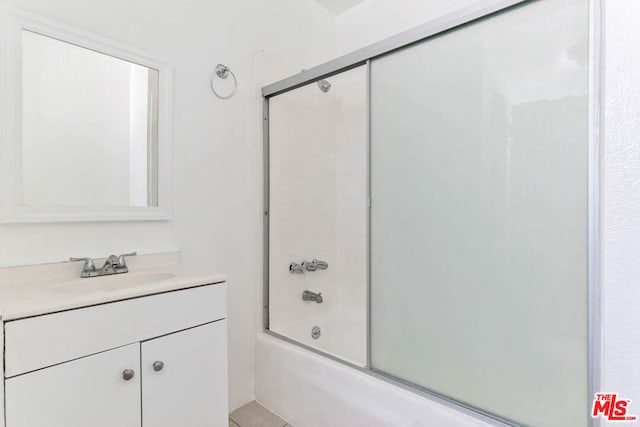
<point x="184" y="378"/>
<point x="86" y="392"/>
<point x="152" y="361"/>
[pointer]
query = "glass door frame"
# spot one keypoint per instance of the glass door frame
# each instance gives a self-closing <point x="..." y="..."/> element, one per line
<point x="473" y="13"/>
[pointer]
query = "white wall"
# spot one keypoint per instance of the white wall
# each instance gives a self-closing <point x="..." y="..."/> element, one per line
<point x="217" y="144"/>
<point x="621" y="196"/>
<point x="375" y="20"/>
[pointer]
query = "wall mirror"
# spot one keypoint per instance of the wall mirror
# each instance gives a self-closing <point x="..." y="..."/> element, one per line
<point x="88" y="124"/>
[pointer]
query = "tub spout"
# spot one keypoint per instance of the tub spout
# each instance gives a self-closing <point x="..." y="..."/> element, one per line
<point x="312" y="296"/>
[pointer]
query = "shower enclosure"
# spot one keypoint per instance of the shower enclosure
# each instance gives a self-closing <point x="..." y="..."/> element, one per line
<point x="431" y="210"/>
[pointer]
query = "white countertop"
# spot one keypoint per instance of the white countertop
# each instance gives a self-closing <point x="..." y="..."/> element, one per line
<point x="46" y="288"/>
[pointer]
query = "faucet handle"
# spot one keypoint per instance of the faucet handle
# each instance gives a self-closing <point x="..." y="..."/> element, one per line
<point x="295" y="268"/>
<point x="89" y="267"/>
<point x="122" y="262"/>
<point x="309" y="266"/>
<point x="320" y="265"/>
<point x="88" y="263"/>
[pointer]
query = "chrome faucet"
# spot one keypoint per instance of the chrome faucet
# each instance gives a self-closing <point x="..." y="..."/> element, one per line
<point x="113" y="265"/>
<point x="313" y="265"/>
<point x="312" y="296"/>
<point x="296" y="268"/>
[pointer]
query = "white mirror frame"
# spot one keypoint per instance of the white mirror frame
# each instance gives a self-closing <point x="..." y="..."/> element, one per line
<point x="11" y="207"/>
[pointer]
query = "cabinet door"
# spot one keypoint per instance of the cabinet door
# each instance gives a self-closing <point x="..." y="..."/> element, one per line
<point x="91" y="391"/>
<point x="188" y="386"/>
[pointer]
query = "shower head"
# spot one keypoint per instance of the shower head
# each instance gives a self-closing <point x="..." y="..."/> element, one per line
<point x="324" y="86"/>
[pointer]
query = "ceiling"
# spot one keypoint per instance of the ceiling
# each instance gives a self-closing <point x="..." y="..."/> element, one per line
<point x="338" y="6"/>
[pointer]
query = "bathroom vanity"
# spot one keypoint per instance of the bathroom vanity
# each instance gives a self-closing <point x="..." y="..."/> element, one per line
<point x="146" y="348"/>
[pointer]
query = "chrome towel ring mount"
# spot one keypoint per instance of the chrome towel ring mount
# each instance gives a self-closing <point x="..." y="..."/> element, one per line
<point x="223" y="72"/>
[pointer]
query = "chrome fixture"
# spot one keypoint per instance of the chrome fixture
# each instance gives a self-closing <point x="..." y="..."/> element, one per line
<point x="324" y="86"/>
<point x="158" y="366"/>
<point x="312" y="265"/>
<point x="113" y="265"/>
<point x="295" y="268"/>
<point x="315" y="265"/>
<point x="315" y="332"/>
<point x="89" y="268"/>
<point x="309" y="266"/>
<point x="128" y="374"/>
<point x="222" y="72"/>
<point x="312" y="296"/>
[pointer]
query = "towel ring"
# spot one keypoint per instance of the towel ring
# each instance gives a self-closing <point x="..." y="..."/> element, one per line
<point x="222" y="72"/>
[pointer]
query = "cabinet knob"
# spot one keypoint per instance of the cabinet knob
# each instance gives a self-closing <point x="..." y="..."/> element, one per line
<point x="158" y="366"/>
<point x="127" y="374"/>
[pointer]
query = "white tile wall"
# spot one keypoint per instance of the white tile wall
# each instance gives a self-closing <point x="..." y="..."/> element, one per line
<point x="318" y="201"/>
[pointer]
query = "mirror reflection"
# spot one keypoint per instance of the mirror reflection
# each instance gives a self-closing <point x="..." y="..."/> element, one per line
<point x="89" y="127"/>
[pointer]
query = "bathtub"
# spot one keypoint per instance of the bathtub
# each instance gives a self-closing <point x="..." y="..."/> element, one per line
<point x="311" y="390"/>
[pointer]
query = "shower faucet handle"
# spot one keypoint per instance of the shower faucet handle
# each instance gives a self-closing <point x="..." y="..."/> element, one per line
<point x="295" y="268"/>
<point x="320" y="265"/>
<point x="309" y="266"/>
<point x="315" y="265"/>
<point x="304" y="266"/>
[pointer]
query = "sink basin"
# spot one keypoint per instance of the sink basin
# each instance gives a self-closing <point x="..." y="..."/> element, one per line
<point x="113" y="282"/>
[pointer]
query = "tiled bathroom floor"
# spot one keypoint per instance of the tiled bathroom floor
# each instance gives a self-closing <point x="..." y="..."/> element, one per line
<point x="254" y="414"/>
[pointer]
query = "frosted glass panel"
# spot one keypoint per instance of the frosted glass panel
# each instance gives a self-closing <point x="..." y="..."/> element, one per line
<point x="479" y="214"/>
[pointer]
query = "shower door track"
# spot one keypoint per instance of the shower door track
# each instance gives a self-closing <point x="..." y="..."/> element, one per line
<point x="470" y="14"/>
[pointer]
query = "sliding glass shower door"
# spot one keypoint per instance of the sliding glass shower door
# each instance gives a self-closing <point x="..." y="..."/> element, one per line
<point x="431" y="212"/>
<point x="479" y="185"/>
